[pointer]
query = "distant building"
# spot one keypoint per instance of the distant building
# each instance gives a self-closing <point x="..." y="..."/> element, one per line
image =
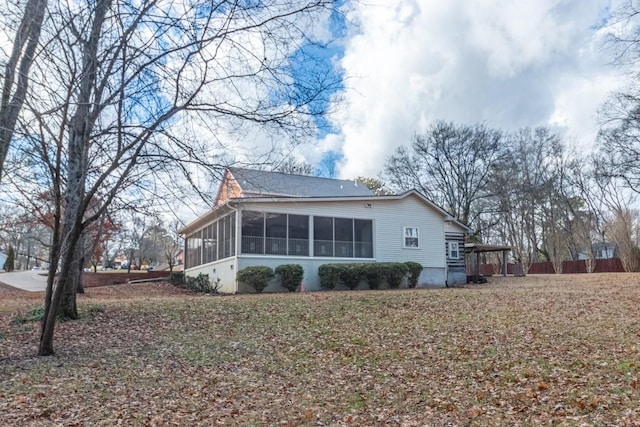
<point x="602" y="250"/>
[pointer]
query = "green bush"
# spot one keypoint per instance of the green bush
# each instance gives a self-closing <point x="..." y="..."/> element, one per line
<point x="258" y="277"/>
<point x="36" y="314"/>
<point x="351" y="274"/>
<point x="176" y="278"/>
<point x="414" y="272"/>
<point x="394" y="272"/>
<point x="290" y="275"/>
<point x="330" y="275"/>
<point x="201" y="283"/>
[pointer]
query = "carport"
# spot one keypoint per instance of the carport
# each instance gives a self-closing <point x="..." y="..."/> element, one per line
<point x="478" y="248"/>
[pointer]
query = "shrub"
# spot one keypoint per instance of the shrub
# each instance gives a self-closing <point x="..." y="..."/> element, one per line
<point x="351" y="274"/>
<point x="372" y="273"/>
<point x="258" y="277"/>
<point x="176" y="278"/>
<point x="329" y="275"/>
<point x="394" y="272"/>
<point x="200" y="283"/>
<point x="36" y="314"/>
<point x="290" y="275"/>
<point x="414" y="272"/>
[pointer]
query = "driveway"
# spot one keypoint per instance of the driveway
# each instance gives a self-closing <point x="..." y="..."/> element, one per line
<point x="30" y="281"/>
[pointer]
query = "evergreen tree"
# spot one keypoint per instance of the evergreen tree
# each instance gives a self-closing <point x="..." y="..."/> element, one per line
<point x="8" y="264"/>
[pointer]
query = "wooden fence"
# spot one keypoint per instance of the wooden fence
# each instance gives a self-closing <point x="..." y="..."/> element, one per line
<point x="91" y="280"/>
<point x="611" y="265"/>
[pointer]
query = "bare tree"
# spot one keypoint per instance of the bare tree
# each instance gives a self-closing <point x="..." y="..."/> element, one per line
<point x="125" y="82"/>
<point x="619" y="137"/>
<point x="621" y="229"/>
<point x="291" y="166"/>
<point x="376" y="185"/>
<point x="15" y="79"/>
<point x="451" y="164"/>
<point x="523" y="184"/>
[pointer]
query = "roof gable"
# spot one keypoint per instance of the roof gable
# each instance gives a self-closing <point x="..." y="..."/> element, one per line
<point x="239" y="182"/>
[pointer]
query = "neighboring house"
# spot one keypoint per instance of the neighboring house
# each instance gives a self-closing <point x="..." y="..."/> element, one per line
<point x="3" y="259"/>
<point x="602" y="250"/>
<point x="271" y="218"/>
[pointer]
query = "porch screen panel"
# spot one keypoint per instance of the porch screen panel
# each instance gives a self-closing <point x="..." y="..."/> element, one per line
<point x="233" y="233"/>
<point x="276" y="234"/>
<point x="343" y="237"/>
<point x="228" y="235"/>
<point x="363" y="238"/>
<point x="214" y="241"/>
<point x="252" y="232"/>
<point x="322" y="236"/>
<point x="209" y="253"/>
<point x="298" y="242"/>
<point x="194" y="249"/>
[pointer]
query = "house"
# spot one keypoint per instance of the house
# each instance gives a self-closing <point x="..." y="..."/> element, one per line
<point x="272" y="218"/>
<point x="601" y="250"/>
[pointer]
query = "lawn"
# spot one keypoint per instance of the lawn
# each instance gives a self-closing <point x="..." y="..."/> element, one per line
<point x="561" y="350"/>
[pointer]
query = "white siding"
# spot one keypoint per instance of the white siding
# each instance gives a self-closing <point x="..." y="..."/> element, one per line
<point x="389" y="217"/>
<point x="225" y="270"/>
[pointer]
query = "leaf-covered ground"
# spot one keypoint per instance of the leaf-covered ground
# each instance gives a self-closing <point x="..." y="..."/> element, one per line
<point x="555" y="350"/>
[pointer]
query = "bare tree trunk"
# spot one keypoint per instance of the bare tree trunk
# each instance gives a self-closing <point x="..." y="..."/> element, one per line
<point x="16" y="74"/>
<point x="64" y="296"/>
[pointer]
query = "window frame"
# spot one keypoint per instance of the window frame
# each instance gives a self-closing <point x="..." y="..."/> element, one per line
<point x="453" y="245"/>
<point x="405" y="237"/>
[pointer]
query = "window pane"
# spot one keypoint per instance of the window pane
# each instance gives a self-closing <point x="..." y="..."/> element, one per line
<point x="252" y="232"/>
<point x="411" y="237"/>
<point x="298" y="243"/>
<point x="363" y="233"/>
<point x="344" y="237"/>
<point x="454" y="251"/>
<point x="323" y="236"/>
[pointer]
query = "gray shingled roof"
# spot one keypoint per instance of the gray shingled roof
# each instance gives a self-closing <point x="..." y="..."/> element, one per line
<point x="265" y="183"/>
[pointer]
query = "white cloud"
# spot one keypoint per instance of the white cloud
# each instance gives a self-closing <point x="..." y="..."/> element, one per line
<point x="506" y="63"/>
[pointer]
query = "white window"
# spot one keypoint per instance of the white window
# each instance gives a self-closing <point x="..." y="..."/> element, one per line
<point x="411" y="237"/>
<point x="454" y="250"/>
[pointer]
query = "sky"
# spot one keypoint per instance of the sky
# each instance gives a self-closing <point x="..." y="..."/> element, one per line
<point x="505" y="63"/>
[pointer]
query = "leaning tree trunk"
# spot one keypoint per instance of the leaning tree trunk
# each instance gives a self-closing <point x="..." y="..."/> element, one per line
<point x="16" y="72"/>
<point x="70" y="239"/>
<point x="64" y="295"/>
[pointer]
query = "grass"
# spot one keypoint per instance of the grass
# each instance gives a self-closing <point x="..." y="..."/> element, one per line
<point x="561" y="350"/>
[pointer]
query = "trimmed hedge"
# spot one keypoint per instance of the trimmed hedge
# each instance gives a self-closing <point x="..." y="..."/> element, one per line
<point x="329" y="275"/>
<point x="290" y="275"/>
<point x="350" y="274"/>
<point x="394" y="272"/>
<point x="258" y="277"/>
<point x="414" y="272"/>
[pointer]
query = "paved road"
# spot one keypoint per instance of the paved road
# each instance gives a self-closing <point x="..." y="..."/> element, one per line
<point x="30" y="281"/>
